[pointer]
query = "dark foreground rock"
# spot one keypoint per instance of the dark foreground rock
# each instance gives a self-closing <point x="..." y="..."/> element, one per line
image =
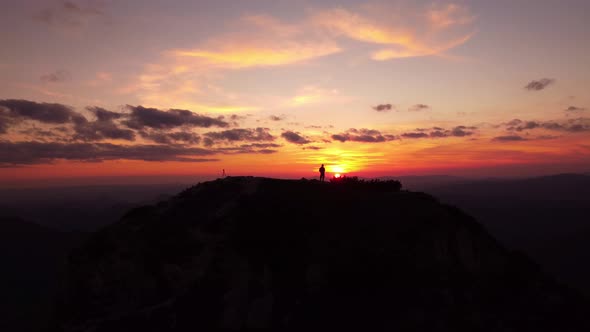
<point x="247" y="252"/>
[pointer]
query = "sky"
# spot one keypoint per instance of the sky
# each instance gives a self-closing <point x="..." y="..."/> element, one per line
<point x="99" y="88"/>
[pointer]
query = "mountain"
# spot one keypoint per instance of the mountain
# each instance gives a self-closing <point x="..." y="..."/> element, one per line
<point x="245" y="252"/>
<point x="83" y="208"/>
<point x="33" y="259"/>
<point x="559" y="186"/>
<point x="417" y="182"/>
<point x="546" y="217"/>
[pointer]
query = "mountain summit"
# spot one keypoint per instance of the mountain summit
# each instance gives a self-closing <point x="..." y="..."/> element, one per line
<point x="245" y="252"/>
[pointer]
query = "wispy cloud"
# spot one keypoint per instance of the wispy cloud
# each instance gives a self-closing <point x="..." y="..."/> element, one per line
<point x="312" y="94"/>
<point x="182" y="76"/>
<point x="447" y="15"/>
<point x="263" y="41"/>
<point x="575" y="109"/>
<point x="419" y="107"/>
<point x="56" y="76"/>
<point x="69" y="14"/>
<point x="432" y="31"/>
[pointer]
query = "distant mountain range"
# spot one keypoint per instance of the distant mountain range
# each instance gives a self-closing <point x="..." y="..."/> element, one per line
<point x="546" y="217"/>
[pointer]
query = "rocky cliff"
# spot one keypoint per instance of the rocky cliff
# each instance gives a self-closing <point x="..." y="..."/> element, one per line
<point x="245" y="252"/>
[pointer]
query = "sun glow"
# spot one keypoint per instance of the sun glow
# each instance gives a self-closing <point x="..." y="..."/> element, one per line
<point x="337" y="169"/>
<point x="337" y="175"/>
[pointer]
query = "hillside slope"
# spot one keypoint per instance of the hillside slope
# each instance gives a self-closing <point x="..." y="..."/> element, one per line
<point x="33" y="258"/>
<point x="262" y="253"/>
<point x="545" y="217"/>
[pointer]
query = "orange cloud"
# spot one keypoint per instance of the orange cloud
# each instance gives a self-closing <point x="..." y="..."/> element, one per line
<point x="413" y="32"/>
<point x="312" y="94"/>
<point x="262" y="41"/>
<point x="418" y="50"/>
<point x="343" y="22"/>
<point x="259" y="54"/>
<point x="183" y="76"/>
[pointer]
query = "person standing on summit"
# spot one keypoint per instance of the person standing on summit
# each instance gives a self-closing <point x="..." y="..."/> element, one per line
<point x="322" y="173"/>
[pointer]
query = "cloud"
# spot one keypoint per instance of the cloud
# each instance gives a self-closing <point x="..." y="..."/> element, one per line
<point x="571" y="125"/>
<point x="461" y="131"/>
<point x="340" y="137"/>
<point x="107" y="123"/>
<point x="103" y="114"/>
<point x="405" y="31"/>
<point x="388" y="54"/>
<point x="99" y="130"/>
<point x="182" y="77"/>
<point x="363" y="135"/>
<point x="277" y="118"/>
<point x="415" y="135"/>
<point x="142" y="117"/>
<point x="68" y="14"/>
<point x="438" y="132"/>
<point x="312" y="94"/>
<point x="574" y="109"/>
<point x="181" y="137"/>
<point x="419" y="107"/>
<point x="295" y="138"/>
<point x="311" y="147"/>
<point x="52" y="113"/>
<point x="256" y="148"/>
<point x="28" y="153"/>
<point x="263" y="41"/>
<point x="382" y="107"/>
<point x="513" y="123"/>
<point x="5" y="122"/>
<point x="42" y="134"/>
<point x="56" y="77"/>
<point x="537" y="85"/>
<point x="245" y="56"/>
<point x="509" y="138"/>
<point x="233" y="135"/>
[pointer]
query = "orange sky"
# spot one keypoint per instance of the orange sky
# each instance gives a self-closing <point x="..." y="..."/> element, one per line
<point x="94" y="89"/>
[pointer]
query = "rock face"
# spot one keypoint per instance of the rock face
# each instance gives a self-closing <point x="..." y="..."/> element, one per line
<point x="246" y="252"/>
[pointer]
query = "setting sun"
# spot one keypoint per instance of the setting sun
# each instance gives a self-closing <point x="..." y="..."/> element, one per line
<point x="337" y="175"/>
<point x="337" y="169"/>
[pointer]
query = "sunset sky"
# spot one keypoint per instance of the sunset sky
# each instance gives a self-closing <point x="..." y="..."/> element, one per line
<point x="278" y="87"/>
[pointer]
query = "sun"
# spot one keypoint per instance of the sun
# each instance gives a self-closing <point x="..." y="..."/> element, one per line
<point x="337" y="169"/>
<point x="337" y="175"/>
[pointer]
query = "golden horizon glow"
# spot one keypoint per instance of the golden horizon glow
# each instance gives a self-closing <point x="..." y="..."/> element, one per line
<point x="366" y="88"/>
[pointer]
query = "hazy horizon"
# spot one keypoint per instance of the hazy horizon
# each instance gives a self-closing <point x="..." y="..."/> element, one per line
<point x="188" y="179"/>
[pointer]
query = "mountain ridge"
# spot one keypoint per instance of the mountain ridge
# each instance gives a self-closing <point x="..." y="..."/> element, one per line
<point x="249" y="252"/>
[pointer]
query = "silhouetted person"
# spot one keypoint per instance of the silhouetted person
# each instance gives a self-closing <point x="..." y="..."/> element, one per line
<point x="223" y="173"/>
<point x="322" y="173"/>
